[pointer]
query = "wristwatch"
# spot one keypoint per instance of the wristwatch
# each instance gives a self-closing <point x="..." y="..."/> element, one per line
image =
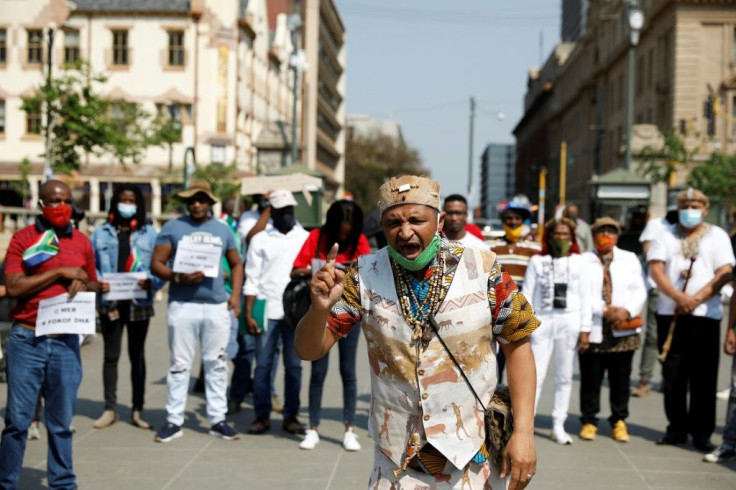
<point x="177" y="277"/>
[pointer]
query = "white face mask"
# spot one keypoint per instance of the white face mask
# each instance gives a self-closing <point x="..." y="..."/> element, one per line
<point x="690" y="218"/>
<point x="127" y="211"/>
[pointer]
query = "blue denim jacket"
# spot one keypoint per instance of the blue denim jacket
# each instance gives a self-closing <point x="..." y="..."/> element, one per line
<point x="105" y="245"/>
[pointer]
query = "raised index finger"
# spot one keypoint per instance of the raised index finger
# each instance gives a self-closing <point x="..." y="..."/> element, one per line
<point x="332" y="256"/>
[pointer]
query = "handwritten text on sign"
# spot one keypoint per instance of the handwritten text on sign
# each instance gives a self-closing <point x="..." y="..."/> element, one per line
<point x="193" y="257"/>
<point x="60" y="315"/>
<point x="124" y="285"/>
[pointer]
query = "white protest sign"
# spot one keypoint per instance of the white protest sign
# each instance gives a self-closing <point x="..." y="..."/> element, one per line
<point x="124" y="285"/>
<point x="193" y="257"/>
<point x="61" y="315"/>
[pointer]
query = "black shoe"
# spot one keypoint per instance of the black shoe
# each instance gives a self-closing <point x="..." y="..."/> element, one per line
<point x="670" y="440"/>
<point x="704" y="444"/>
<point x="259" y="426"/>
<point x="233" y="407"/>
<point x="292" y="426"/>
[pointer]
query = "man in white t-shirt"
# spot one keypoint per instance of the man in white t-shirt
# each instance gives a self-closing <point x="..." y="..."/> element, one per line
<point x="701" y="252"/>
<point x="456" y="209"/>
<point x="654" y="227"/>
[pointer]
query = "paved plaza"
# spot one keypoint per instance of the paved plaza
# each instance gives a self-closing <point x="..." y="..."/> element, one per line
<point x="124" y="457"/>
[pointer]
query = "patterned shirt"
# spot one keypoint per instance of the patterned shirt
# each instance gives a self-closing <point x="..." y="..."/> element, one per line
<point x="512" y="315"/>
<point x="515" y="256"/>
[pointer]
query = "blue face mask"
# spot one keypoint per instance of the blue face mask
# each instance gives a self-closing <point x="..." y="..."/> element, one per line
<point x="690" y="218"/>
<point x="127" y="211"/>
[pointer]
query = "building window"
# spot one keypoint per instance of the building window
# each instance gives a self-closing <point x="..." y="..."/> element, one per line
<point x="176" y="48"/>
<point x="34" y="52"/>
<point x="650" y="68"/>
<point x="71" y="47"/>
<point x="733" y="116"/>
<point x="2" y="116"/>
<point x="640" y="75"/>
<point x="733" y="49"/>
<point x="3" y="46"/>
<point x="181" y="113"/>
<point x="33" y="120"/>
<point x="620" y="91"/>
<point x="121" y="114"/>
<point x="120" y="48"/>
<point x="176" y="113"/>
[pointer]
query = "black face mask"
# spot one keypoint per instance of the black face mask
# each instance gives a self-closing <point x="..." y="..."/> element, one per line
<point x="283" y="221"/>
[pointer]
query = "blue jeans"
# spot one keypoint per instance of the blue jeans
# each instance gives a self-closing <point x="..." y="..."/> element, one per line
<point x="266" y="350"/>
<point x="348" y="348"/>
<point x="241" y="382"/>
<point x="36" y="363"/>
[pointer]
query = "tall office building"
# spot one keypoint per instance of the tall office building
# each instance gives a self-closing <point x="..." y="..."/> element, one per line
<point x="497" y="177"/>
<point x="574" y="18"/>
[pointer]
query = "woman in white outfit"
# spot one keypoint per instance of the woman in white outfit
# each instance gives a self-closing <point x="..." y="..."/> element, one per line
<point x="553" y="285"/>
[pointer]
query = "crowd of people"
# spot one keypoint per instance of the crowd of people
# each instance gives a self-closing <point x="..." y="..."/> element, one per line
<point x="445" y="313"/>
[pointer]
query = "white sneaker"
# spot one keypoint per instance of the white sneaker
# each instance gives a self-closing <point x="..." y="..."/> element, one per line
<point x="350" y="441"/>
<point x="560" y="436"/>
<point x="311" y="439"/>
<point x="34" y="431"/>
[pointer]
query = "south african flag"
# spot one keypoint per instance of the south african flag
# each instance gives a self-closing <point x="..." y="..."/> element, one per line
<point x="46" y="247"/>
<point x="134" y="262"/>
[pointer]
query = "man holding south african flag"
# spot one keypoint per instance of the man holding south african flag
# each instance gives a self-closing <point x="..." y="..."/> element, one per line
<point x="44" y="260"/>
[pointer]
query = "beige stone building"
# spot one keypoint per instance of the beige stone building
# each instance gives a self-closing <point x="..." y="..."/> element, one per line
<point x="220" y="69"/>
<point x="323" y="105"/>
<point x="686" y="55"/>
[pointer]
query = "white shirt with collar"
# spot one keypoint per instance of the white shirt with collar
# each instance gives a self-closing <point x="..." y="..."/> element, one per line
<point x="628" y="290"/>
<point x="268" y="267"/>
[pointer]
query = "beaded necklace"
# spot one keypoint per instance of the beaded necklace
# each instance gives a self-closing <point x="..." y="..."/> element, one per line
<point x="689" y="244"/>
<point x="417" y="312"/>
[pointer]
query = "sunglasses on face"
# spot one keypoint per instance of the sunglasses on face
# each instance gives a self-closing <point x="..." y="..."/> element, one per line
<point x="200" y="198"/>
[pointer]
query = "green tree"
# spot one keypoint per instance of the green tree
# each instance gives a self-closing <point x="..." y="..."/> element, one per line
<point x="220" y="178"/>
<point x="85" y="122"/>
<point x="716" y="177"/>
<point x="657" y="163"/>
<point x="370" y="161"/>
<point x="21" y="186"/>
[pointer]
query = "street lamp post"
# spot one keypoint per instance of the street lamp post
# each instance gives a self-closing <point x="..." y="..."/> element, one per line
<point x="296" y="61"/>
<point x="47" y="172"/>
<point x="636" y="22"/>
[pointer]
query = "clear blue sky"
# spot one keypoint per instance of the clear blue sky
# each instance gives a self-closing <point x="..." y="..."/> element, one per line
<point x="419" y="61"/>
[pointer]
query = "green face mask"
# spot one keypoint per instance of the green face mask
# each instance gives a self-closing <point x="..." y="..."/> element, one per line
<point x="422" y="260"/>
<point x="559" y="248"/>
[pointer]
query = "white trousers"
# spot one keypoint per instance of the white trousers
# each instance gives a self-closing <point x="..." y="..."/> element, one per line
<point x="558" y="334"/>
<point x="190" y="324"/>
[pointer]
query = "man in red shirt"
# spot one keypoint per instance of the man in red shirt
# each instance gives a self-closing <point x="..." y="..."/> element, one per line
<point x="44" y="260"/>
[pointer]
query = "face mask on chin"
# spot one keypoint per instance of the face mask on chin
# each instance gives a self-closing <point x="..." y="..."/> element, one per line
<point x="57" y="216"/>
<point x="422" y="260"/>
<point x="513" y="234"/>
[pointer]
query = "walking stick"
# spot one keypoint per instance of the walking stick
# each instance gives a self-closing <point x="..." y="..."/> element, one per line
<point x="671" y="332"/>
